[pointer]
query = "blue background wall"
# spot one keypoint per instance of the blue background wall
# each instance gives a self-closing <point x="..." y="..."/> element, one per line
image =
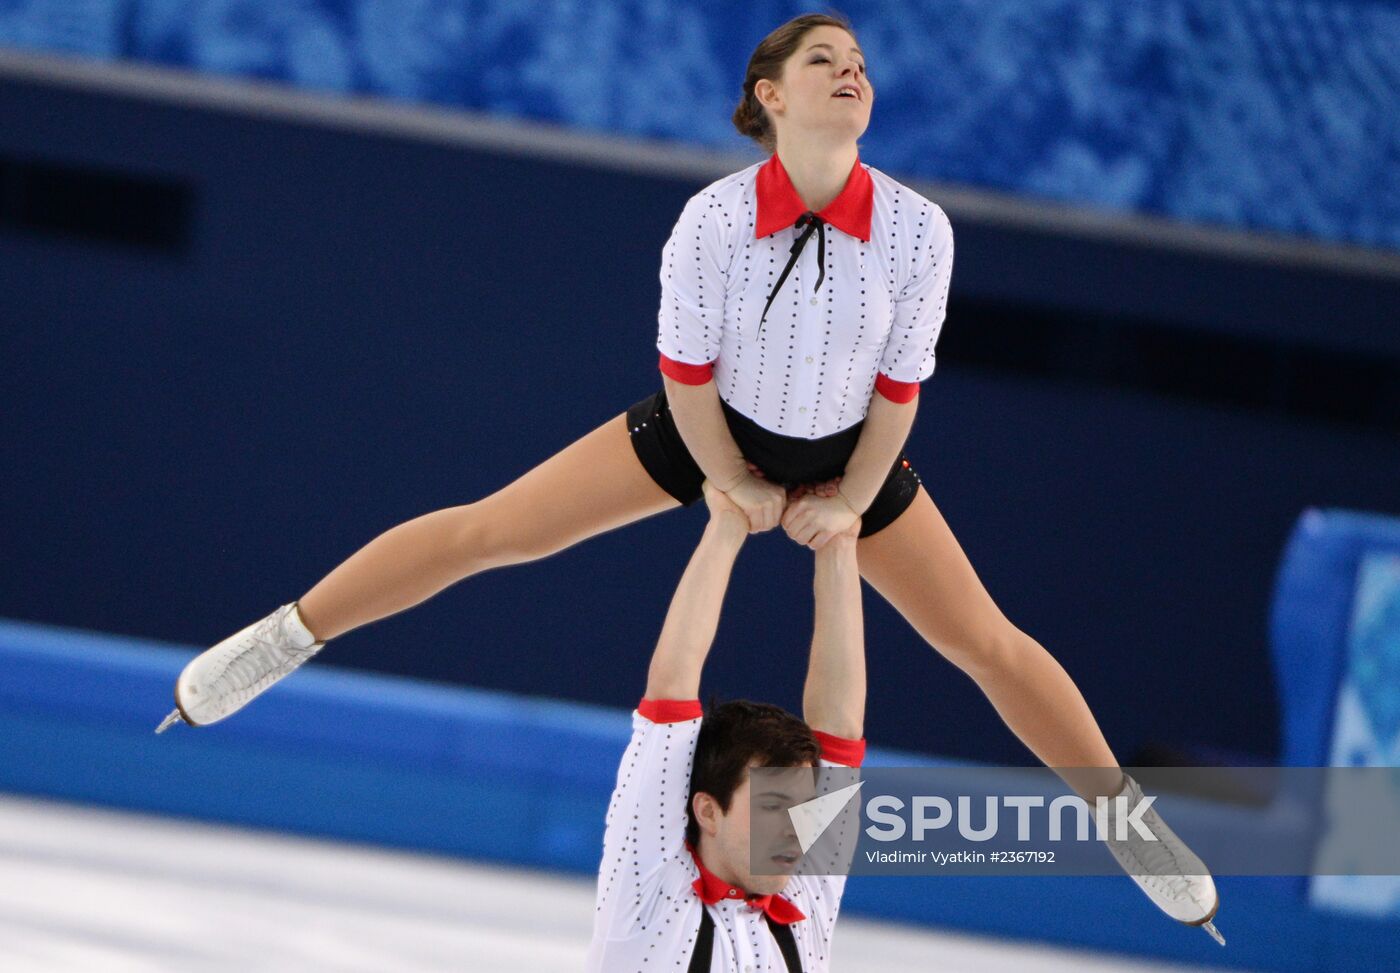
<point x="359" y="329"/>
<point x="1277" y="115"/>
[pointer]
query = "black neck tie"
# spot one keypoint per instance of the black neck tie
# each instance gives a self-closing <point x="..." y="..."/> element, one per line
<point x="812" y="222"/>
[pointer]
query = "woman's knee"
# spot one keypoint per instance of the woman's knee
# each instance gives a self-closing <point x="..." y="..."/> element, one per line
<point x="988" y="650"/>
<point x="484" y="535"/>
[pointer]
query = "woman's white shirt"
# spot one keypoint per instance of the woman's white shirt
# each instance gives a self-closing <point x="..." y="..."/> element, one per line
<point x="822" y="352"/>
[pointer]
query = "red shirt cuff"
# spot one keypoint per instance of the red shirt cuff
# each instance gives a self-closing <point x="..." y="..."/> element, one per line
<point x="840" y="750"/>
<point x="670" y="710"/>
<point x="687" y="374"/>
<point x="899" y="392"/>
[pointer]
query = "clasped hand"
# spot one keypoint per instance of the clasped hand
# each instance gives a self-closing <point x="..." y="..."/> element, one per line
<point x="811" y="515"/>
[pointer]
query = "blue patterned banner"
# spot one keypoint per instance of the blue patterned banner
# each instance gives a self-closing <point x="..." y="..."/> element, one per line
<point x="1275" y="115"/>
<point x="1367" y="729"/>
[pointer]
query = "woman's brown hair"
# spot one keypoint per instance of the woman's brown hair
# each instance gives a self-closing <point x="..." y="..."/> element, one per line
<point x="767" y="62"/>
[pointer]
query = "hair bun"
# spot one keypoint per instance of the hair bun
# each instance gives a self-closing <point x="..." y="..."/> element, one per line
<point x="751" y="121"/>
<point x="767" y="62"/>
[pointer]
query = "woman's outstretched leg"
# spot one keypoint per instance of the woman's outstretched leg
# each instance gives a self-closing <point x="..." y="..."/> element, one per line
<point x="918" y="566"/>
<point x="594" y="485"/>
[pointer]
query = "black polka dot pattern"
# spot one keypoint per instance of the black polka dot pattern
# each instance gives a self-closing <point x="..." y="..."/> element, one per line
<point x="647" y="912"/>
<point x="810" y="371"/>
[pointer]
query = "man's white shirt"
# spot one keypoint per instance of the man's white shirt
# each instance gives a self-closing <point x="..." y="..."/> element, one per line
<point x="648" y="909"/>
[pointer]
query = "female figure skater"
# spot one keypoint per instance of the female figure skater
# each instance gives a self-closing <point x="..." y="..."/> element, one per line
<point x="801" y="302"/>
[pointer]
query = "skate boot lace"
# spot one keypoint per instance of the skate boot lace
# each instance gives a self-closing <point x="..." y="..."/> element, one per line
<point x="1159" y="862"/>
<point x="257" y="662"/>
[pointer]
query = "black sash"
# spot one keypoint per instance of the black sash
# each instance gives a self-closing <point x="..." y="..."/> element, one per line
<point x="705" y="944"/>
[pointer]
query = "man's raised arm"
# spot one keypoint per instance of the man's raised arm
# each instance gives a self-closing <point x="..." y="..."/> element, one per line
<point x="691" y="621"/>
<point x="833" y="701"/>
<point x="833" y="705"/>
<point x="647" y="815"/>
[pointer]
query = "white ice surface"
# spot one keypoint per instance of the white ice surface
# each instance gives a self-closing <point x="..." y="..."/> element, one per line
<point x="92" y="890"/>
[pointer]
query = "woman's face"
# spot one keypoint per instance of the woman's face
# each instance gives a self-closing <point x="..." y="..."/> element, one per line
<point x="823" y="88"/>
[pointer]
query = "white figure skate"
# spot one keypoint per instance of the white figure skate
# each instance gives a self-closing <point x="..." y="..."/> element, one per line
<point x="222" y="680"/>
<point x="1171" y="874"/>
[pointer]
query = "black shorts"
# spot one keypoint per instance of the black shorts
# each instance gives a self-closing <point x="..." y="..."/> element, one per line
<point x="789" y="460"/>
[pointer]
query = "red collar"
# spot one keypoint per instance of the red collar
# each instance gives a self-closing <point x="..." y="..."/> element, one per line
<point x="779" y="206"/>
<point x="711" y="889"/>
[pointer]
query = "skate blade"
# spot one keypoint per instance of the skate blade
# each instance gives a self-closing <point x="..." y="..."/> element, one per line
<point x="174" y="717"/>
<point x="1209" y="926"/>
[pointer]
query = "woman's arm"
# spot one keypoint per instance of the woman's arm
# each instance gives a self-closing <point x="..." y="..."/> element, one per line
<point x="814" y="519"/>
<point x="689" y="326"/>
<point x="886" y="429"/>
<point x="700" y="420"/>
<point x="906" y="360"/>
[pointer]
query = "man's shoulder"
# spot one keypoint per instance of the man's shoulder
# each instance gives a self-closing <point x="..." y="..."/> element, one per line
<point x="816" y="895"/>
<point x="667" y="713"/>
<point x="667" y="882"/>
<point x="675" y="872"/>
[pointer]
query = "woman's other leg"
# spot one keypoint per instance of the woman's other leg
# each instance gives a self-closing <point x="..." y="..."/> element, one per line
<point x="918" y="566"/>
<point x="594" y="485"/>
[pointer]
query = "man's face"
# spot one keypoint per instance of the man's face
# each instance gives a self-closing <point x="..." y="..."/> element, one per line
<point x="759" y="825"/>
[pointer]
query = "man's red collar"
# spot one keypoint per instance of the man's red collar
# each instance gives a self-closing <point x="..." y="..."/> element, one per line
<point x="779" y="206"/>
<point x="711" y="889"/>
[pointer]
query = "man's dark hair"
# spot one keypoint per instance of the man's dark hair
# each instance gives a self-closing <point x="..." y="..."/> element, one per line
<point x="733" y="735"/>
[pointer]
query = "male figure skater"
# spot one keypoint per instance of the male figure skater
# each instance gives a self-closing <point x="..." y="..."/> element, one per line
<point x="676" y="887"/>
